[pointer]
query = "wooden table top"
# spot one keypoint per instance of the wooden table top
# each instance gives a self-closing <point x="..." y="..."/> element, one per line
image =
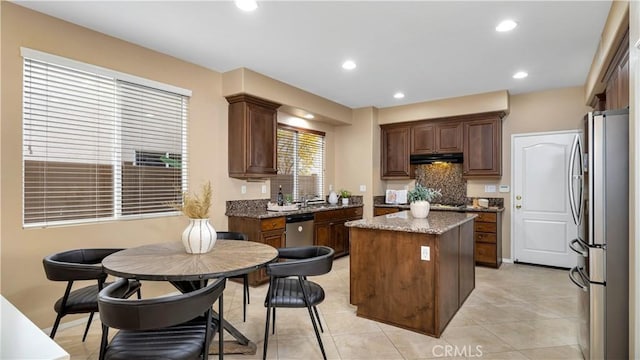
<point x="170" y="262"/>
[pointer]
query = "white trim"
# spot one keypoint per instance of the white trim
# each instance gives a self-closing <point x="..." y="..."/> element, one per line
<point x="507" y="260"/>
<point x="59" y="60"/>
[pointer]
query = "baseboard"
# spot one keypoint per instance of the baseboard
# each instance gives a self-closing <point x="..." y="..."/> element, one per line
<point x="507" y="260"/>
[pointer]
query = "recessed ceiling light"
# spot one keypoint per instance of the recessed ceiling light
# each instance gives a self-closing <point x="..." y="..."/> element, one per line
<point x="247" y="5"/>
<point x="398" y="95"/>
<point x="506" y="25"/>
<point x="309" y="116"/>
<point x="349" y="65"/>
<point x="520" y="75"/>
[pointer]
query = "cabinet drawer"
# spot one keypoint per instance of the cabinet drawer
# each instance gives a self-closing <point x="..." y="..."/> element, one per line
<point x="485" y="227"/>
<point x="329" y="215"/>
<point x="273" y="223"/>
<point x="486" y="253"/>
<point x="485" y="237"/>
<point x="384" y="210"/>
<point x="353" y="212"/>
<point x="487" y="217"/>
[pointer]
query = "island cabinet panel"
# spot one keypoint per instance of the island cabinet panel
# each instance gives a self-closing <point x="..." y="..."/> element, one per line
<point x="270" y="231"/>
<point x="391" y="284"/>
<point x="467" y="262"/>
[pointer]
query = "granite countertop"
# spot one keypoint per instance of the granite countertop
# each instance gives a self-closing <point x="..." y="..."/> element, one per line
<point x="438" y="222"/>
<point x="468" y="208"/>
<point x="262" y="213"/>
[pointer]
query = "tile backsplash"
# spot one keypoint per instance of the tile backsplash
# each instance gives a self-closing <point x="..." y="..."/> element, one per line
<point x="446" y="177"/>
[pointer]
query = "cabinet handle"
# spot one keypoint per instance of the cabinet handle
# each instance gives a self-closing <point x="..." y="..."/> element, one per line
<point x="518" y="206"/>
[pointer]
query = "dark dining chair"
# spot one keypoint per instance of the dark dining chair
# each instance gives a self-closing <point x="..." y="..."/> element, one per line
<point x="290" y="288"/>
<point x="230" y="235"/>
<point x="167" y="327"/>
<point x="80" y="265"/>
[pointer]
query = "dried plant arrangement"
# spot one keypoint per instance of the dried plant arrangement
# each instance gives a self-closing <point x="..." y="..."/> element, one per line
<point x="196" y="206"/>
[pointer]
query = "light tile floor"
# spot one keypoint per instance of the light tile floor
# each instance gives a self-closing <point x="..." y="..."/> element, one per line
<point x="516" y="312"/>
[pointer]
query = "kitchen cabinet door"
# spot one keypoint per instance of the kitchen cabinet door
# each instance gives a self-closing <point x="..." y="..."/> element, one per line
<point x="433" y="138"/>
<point x="252" y="137"/>
<point x="323" y="234"/>
<point x="449" y="137"/>
<point x="423" y="138"/>
<point x="483" y="147"/>
<point x="395" y="147"/>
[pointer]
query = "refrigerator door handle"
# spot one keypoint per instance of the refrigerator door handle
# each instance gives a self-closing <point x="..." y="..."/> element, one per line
<point x="578" y="246"/>
<point x="574" y="278"/>
<point x="576" y="154"/>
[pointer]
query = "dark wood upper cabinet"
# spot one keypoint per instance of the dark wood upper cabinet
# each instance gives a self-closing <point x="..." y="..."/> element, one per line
<point x="252" y="137"/>
<point x="483" y="146"/>
<point x="433" y="138"/>
<point x="616" y="78"/>
<point x="395" y="152"/>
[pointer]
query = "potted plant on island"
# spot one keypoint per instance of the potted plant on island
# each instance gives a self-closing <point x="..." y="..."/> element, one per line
<point x="345" y="195"/>
<point x="419" y="198"/>
<point x="199" y="236"/>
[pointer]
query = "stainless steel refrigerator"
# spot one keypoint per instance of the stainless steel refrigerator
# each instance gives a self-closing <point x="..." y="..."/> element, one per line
<point x="599" y="197"/>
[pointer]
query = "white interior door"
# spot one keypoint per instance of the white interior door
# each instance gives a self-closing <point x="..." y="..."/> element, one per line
<point x="542" y="224"/>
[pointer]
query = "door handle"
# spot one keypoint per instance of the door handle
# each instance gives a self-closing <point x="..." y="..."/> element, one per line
<point x="518" y="206"/>
<point x="581" y="284"/>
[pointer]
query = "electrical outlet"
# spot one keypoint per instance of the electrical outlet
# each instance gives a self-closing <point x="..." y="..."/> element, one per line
<point x="363" y="188"/>
<point x="489" y="188"/>
<point x="503" y="188"/>
<point x="330" y="187"/>
<point x="264" y="189"/>
<point x="243" y="189"/>
<point x="425" y="253"/>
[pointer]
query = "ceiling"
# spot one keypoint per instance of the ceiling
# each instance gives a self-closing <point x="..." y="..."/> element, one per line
<point x="425" y="49"/>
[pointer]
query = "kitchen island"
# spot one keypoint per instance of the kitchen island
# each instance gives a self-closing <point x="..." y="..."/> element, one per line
<point x="412" y="273"/>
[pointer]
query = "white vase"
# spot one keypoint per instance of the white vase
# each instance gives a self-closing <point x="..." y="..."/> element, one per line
<point x="199" y="236"/>
<point x="345" y="201"/>
<point x="333" y="198"/>
<point x="420" y="209"/>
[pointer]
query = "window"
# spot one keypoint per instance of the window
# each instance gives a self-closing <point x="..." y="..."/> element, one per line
<point x="300" y="163"/>
<point x="98" y="145"/>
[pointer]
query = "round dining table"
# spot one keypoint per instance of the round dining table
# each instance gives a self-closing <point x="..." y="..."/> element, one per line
<point x="170" y="262"/>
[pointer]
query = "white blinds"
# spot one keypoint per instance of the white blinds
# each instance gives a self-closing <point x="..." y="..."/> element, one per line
<point x="300" y="163"/>
<point x="97" y="148"/>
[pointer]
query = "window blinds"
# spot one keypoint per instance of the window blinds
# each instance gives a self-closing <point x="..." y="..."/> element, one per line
<point x="98" y="148"/>
<point x="300" y="163"/>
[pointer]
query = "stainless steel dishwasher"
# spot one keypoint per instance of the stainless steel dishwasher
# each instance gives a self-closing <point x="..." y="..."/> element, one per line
<point x="299" y="230"/>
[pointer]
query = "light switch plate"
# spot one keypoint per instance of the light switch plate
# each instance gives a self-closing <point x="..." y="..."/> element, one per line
<point x="503" y="188"/>
<point x="243" y="189"/>
<point x="264" y="189"/>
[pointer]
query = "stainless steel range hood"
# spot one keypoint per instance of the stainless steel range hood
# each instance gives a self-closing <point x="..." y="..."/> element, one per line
<point x="431" y="158"/>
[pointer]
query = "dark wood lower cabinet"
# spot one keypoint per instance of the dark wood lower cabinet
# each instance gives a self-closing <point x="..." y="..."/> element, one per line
<point x="377" y="211"/>
<point x="488" y="239"/>
<point x="267" y="231"/>
<point x="330" y="229"/>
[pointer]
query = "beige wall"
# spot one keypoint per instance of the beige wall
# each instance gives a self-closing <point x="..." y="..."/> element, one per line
<point x="354" y="151"/>
<point x="23" y="279"/>
<point x="293" y="99"/>
<point x="552" y="110"/>
<point x="470" y="104"/>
